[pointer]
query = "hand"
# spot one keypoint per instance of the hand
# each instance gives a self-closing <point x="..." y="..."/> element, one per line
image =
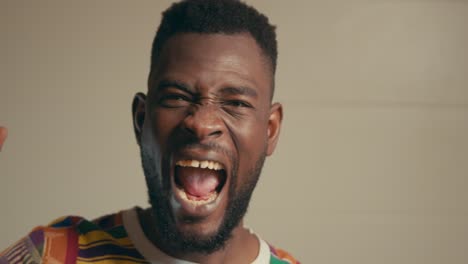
<point x="3" y="136"/>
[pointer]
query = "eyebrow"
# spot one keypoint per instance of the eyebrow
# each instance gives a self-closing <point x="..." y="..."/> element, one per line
<point x="229" y="90"/>
<point x="164" y="84"/>
<point x="239" y="91"/>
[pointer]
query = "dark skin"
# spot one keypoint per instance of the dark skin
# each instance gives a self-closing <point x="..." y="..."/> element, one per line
<point x="3" y="136"/>
<point x="209" y="89"/>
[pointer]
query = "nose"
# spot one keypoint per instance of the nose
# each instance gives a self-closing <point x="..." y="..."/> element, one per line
<point x="203" y="122"/>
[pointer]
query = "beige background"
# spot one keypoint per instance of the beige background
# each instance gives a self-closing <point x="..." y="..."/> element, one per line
<point x="372" y="165"/>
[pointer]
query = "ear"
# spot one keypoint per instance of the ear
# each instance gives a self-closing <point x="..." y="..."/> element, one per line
<point x="138" y="114"/>
<point x="3" y="136"/>
<point x="274" y="127"/>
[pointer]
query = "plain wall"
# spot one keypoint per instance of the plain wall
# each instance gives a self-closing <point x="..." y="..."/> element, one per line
<point x="372" y="163"/>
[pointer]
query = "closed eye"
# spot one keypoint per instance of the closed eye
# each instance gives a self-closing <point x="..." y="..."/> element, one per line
<point x="174" y="100"/>
<point x="237" y="103"/>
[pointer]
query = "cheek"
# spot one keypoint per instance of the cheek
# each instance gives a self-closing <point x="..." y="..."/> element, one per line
<point x="154" y="136"/>
<point x="252" y="142"/>
<point x="164" y="121"/>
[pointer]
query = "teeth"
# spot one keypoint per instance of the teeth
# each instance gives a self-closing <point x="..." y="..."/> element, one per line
<point x="204" y="164"/>
<point x="212" y="165"/>
<point x="195" y="163"/>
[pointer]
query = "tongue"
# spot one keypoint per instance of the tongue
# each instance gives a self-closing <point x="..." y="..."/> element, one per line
<point x="196" y="181"/>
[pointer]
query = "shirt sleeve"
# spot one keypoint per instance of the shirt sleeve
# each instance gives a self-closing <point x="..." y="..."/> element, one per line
<point x="26" y="250"/>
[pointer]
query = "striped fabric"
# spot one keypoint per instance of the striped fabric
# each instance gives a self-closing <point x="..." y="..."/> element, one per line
<point x="73" y="239"/>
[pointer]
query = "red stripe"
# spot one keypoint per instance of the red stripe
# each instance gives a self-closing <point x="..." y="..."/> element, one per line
<point x="72" y="247"/>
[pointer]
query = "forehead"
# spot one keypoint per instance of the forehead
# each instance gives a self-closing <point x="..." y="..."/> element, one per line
<point x="212" y="59"/>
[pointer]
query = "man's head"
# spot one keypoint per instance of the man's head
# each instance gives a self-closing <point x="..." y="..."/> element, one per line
<point x="212" y="17"/>
<point x="207" y="122"/>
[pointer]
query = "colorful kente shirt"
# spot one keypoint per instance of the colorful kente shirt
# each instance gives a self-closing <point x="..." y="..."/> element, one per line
<point x="115" y="238"/>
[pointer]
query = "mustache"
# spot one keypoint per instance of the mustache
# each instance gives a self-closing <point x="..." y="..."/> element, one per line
<point x="208" y="146"/>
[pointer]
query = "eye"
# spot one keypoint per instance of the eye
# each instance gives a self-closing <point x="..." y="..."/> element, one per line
<point x="237" y="103"/>
<point x="174" y="100"/>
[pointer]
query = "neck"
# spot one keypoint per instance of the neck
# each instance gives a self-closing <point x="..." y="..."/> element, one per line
<point x="242" y="247"/>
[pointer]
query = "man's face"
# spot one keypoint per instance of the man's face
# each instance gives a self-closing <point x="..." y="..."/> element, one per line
<point x="208" y="125"/>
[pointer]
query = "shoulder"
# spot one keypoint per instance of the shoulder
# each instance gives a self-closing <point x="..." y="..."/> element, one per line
<point x="27" y="249"/>
<point x="38" y="243"/>
<point x="281" y="256"/>
<point x="71" y="238"/>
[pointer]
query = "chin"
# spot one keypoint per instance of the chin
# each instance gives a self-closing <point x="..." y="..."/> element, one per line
<point x="185" y="225"/>
<point x="202" y="228"/>
<point x="192" y="235"/>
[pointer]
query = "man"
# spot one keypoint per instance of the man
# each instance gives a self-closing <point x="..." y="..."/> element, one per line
<point x="204" y="129"/>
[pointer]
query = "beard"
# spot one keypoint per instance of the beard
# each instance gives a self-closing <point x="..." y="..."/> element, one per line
<point x="168" y="235"/>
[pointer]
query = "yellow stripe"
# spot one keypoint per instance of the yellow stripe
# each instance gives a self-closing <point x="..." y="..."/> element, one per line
<point x="108" y="259"/>
<point x="113" y="242"/>
<point x="98" y="235"/>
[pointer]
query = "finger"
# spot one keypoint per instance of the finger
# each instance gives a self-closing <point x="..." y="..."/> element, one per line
<point x="3" y="136"/>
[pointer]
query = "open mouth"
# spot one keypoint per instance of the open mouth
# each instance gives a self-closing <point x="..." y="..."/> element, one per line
<point x="199" y="182"/>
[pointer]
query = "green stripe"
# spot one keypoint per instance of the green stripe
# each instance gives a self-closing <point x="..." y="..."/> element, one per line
<point x="275" y="260"/>
<point x="85" y="227"/>
<point x="117" y="232"/>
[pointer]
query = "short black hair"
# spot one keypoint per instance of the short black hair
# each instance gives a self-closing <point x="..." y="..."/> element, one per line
<point x="216" y="16"/>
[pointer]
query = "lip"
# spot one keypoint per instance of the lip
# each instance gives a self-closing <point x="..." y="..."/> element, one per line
<point x="198" y="210"/>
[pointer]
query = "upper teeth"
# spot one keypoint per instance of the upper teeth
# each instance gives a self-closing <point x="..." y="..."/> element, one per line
<point x="205" y="164"/>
